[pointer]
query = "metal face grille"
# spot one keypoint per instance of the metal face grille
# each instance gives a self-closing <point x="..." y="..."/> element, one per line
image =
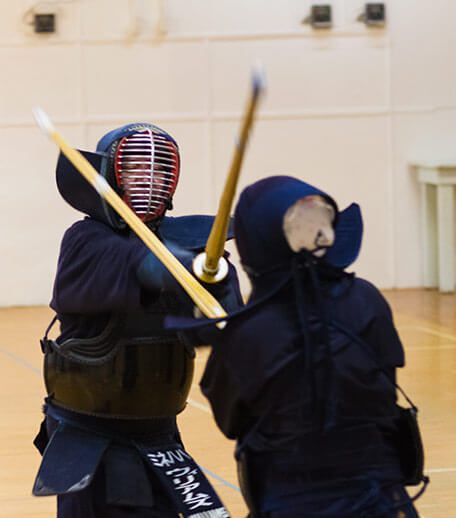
<point x="147" y="170"/>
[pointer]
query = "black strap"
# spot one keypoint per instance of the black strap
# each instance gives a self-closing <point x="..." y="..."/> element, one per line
<point x="372" y="354"/>
<point x="45" y="340"/>
<point x="49" y="327"/>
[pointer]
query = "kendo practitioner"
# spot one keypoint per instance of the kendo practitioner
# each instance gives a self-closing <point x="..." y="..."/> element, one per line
<point x="303" y="378"/>
<point x="115" y="378"/>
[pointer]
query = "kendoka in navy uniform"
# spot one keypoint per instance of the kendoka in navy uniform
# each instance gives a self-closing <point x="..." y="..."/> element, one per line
<point x="303" y="378"/>
<point x="115" y="378"/>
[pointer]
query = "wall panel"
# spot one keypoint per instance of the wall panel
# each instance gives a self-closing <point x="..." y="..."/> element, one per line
<point x="137" y="79"/>
<point x="321" y="74"/>
<point x="33" y="215"/>
<point x="45" y="76"/>
<point x="423" y="50"/>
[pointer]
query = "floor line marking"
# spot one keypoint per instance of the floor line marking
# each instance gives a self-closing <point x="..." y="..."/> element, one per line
<point x="441" y="470"/>
<point x="202" y="407"/>
<point x="443" y="347"/>
<point x="225" y="482"/>
<point x="21" y="361"/>
<point x="428" y="330"/>
<point x="19" y="499"/>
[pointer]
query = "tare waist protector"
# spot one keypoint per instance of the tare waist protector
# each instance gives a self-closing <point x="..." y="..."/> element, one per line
<point x="119" y="375"/>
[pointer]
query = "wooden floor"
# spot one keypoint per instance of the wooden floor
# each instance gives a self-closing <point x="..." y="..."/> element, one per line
<point x="427" y="324"/>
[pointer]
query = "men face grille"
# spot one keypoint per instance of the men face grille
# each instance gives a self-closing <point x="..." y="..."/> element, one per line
<point x="147" y="170"/>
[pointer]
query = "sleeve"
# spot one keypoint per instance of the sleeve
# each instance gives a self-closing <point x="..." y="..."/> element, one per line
<point x="221" y="389"/>
<point x="97" y="270"/>
<point x="381" y="331"/>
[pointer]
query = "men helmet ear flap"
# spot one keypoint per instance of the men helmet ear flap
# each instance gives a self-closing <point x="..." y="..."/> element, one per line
<point x="141" y="146"/>
<point x="75" y="189"/>
<point x="349" y="236"/>
<point x="80" y="194"/>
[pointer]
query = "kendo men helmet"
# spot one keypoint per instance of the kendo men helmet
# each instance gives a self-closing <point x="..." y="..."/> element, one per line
<point x="140" y="161"/>
<point x="260" y="216"/>
<point x="143" y="162"/>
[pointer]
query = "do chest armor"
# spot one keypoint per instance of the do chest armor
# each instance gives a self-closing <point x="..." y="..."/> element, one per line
<point x="126" y="371"/>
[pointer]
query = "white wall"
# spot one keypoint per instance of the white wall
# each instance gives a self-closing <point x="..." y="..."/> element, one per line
<point x="347" y="109"/>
